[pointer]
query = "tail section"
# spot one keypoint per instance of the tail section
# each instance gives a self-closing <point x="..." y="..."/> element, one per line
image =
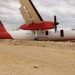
<point x="2" y="28"/>
<point x="29" y="12"/>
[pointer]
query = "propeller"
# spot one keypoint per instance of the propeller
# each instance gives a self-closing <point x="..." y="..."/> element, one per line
<point x="55" y="23"/>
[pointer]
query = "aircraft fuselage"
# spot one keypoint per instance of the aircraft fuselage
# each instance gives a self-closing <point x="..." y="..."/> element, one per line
<point x="60" y="35"/>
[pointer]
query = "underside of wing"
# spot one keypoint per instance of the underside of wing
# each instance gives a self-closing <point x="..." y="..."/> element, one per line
<point x="29" y="12"/>
<point x="27" y="17"/>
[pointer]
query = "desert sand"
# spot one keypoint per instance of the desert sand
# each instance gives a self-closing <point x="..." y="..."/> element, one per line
<point x="20" y="57"/>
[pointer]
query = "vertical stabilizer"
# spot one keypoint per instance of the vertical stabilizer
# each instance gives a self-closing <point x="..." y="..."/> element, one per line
<point x="1" y="23"/>
<point x="2" y="28"/>
<point x="32" y="13"/>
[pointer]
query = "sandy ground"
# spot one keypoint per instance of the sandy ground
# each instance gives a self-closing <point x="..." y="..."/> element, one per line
<point x="37" y="58"/>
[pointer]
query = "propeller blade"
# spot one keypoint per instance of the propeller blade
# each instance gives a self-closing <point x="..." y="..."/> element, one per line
<point x="55" y="20"/>
<point x="55" y="23"/>
<point x="55" y="28"/>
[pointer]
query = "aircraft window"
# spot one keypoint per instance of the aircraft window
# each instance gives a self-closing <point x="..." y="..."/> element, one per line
<point x="27" y="33"/>
<point x="42" y="32"/>
<point x="46" y="33"/>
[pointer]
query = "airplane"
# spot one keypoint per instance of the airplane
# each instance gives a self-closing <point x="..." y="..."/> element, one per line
<point x="19" y="33"/>
<point x="41" y="27"/>
<point x="62" y="34"/>
<point x="35" y="28"/>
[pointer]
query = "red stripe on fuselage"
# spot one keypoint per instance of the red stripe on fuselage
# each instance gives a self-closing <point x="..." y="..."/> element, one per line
<point x="5" y="35"/>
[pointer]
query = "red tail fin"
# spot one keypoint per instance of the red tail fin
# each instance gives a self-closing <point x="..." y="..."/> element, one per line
<point x="2" y="28"/>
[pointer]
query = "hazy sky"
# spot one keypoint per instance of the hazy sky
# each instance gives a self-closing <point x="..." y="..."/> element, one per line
<point x="64" y="9"/>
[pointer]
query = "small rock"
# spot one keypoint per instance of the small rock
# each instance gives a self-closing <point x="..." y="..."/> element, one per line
<point x="16" y="44"/>
<point x="36" y="66"/>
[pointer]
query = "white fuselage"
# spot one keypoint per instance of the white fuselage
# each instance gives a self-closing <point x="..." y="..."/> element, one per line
<point x="22" y="34"/>
<point x="60" y="34"/>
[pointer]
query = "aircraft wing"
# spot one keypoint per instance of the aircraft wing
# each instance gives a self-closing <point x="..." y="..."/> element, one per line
<point x="27" y="17"/>
<point x="32" y="16"/>
<point x="29" y="12"/>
